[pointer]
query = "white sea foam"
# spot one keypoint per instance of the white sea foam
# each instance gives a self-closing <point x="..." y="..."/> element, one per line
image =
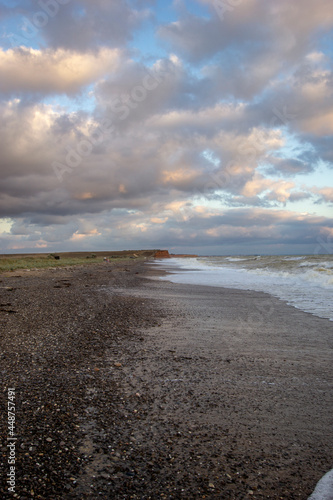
<point x="235" y="259"/>
<point x="324" y="488"/>
<point x="307" y="285"/>
<point x="301" y="257"/>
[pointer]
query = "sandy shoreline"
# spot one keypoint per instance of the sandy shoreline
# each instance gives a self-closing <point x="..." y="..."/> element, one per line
<point x="134" y="388"/>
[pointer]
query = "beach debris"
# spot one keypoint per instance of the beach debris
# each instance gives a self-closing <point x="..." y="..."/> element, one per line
<point x="62" y="283"/>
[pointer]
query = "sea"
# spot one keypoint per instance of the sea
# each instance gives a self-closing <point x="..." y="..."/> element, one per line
<point x="303" y="281"/>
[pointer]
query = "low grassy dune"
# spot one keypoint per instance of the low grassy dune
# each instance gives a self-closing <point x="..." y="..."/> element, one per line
<point x="13" y="262"/>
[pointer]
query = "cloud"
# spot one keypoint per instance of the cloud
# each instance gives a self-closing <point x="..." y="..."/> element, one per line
<point x="299" y="195"/>
<point x="322" y="145"/>
<point x="197" y="146"/>
<point x="255" y="228"/>
<point x="289" y="166"/>
<point x="176" y="154"/>
<point x="251" y="28"/>
<point x="198" y="38"/>
<point x="53" y="71"/>
<point x="255" y="42"/>
<point x="326" y="194"/>
<point x="4" y="11"/>
<point x="77" y="25"/>
<point x="89" y="25"/>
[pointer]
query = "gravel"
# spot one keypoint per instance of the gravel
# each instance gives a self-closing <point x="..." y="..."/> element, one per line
<point x="115" y="397"/>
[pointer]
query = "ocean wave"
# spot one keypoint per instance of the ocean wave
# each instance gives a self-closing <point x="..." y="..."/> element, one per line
<point x="295" y="258"/>
<point x="236" y="259"/>
<point x="307" y="288"/>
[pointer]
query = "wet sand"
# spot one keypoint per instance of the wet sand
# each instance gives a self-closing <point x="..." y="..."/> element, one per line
<point x="130" y="387"/>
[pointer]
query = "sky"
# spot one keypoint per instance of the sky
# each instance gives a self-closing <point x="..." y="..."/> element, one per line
<point x="198" y="126"/>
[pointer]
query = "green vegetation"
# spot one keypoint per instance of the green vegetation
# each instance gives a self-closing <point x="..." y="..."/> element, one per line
<point x="43" y="261"/>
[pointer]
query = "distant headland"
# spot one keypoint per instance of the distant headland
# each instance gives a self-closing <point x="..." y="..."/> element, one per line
<point x="164" y="254"/>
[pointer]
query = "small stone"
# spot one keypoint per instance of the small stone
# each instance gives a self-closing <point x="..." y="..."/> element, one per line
<point x="211" y="485"/>
<point x="118" y="365"/>
<point x="49" y="440"/>
<point x="250" y="492"/>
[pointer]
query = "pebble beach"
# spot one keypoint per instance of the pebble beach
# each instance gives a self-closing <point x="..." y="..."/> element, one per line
<point x="128" y="387"/>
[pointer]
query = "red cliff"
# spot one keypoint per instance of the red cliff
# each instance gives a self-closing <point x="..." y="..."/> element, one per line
<point x="162" y="254"/>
